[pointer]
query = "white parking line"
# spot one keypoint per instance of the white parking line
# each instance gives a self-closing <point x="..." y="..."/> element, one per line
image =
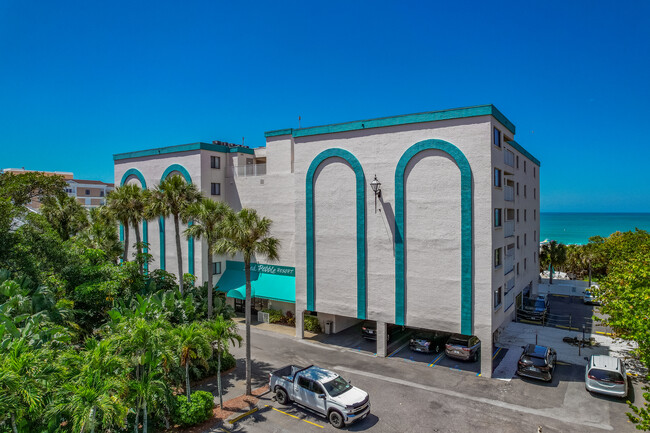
<point x="552" y="413"/>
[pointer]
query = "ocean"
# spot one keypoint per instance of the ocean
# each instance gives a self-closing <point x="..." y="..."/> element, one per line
<point x="577" y="228"/>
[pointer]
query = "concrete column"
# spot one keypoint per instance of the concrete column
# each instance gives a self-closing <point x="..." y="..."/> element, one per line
<point x="382" y="339"/>
<point x="300" y="328"/>
<point x="487" y="348"/>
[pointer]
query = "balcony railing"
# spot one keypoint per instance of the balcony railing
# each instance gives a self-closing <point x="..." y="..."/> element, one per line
<point x="509" y="263"/>
<point x="509" y="158"/>
<point x="250" y="170"/>
<point x="509" y="192"/>
<point x="509" y="294"/>
<point x="509" y="229"/>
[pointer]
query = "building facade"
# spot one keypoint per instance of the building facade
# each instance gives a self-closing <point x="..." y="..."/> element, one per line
<point x="89" y="193"/>
<point x="449" y="242"/>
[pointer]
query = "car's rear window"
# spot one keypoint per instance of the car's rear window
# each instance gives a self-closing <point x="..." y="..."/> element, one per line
<point x="605" y="375"/>
<point x="537" y="362"/>
<point x="459" y="341"/>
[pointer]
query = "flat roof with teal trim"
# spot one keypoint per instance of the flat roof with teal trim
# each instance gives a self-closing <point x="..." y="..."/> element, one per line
<point x="183" y="148"/>
<point x="405" y="119"/>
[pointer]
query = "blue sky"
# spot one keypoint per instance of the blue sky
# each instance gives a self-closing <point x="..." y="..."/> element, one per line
<point x="83" y="80"/>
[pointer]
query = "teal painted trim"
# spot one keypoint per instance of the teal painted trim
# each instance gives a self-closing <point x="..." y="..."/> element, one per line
<point x="179" y="168"/>
<point x="190" y="241"/>
<point x="161" y="236"/>
<point x="406" y="119"/>
<point x="524" y="152"/>
<point x="278" y="132"/>
<point x="181" y="148"/>
<point x="466" y="230"/>
<point x="134" y="172"/>
<point x="190" y="253"/>
<point x="145" y="225"/>
<point x="361" y="227"/>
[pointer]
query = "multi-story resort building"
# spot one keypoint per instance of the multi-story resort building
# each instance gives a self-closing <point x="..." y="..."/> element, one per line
<point x="89" y="193"/>
<point x="448" y="241"/>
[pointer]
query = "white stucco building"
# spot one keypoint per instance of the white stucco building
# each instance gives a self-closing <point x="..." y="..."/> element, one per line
<point x="449" y="244"/>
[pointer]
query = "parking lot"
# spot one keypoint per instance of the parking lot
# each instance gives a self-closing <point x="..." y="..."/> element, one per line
<point x="571" y="313"/>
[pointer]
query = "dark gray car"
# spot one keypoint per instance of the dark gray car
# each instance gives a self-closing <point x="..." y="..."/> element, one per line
<point x="463" y="347"/>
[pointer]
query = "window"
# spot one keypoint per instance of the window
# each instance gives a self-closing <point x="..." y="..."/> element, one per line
<point x="525" y="215"/>
<point x="101" y="193"/>
<point x="517" y="215"/>
<point x="497" y="217"/>
<point x="534" y="171"/>
<point x="497" y="257"/>
<point x="535" y="214"/>
<point x="216" y="268"/>
<point x="87" y="192"/>
<point x="215" y="162"/>
<point x="535" y="257"/>
<point x="216" y="189"/>
<point x="524" y="239"/>
<point x="496" y="137"/>
<point x="524" y="166"/>
<point x="517" y="268"/>
<point x="304" y="382"/>
<point x="535" y="193"/>
<point x="497" y="298"/>
<point x="535" y="237"/>
<point x="517" y="161"/>
<point x="517" y="242"/>
<point x="497" y="177"/>
<point x="517" y="188"/>
<point x="524" y="191"/>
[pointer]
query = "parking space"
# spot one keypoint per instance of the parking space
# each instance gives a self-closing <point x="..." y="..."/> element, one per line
<point x="570" y="313"/>
<point x="352" y="338"/>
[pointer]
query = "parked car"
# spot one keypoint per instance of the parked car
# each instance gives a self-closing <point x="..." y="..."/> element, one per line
<point x="369" y="330"/>
<point x="535" y="309"/>
<point x="321" y="391"/>
<point x="537" y="362"/>
<point x="463" y="347"/>
<point x="589" y="297"/>
<point x="429" y="341"/>
<point x="606" y="375"/>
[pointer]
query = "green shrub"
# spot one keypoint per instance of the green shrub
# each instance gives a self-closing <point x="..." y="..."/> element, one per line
<point x="227" y="362"/>
<point x="275" y="316"/>
<point x="312" y="324"/>
<point x="196" y="411"/>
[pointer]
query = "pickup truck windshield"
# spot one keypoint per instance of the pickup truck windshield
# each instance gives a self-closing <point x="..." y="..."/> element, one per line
<point x="337" y="386"/>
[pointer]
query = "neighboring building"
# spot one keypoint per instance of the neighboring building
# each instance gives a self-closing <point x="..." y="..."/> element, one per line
<point x="450" y="243"/>
<point x="89" y="193"/>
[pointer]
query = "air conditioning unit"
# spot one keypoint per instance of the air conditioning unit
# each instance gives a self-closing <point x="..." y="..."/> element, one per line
<point x="262" y="317"/>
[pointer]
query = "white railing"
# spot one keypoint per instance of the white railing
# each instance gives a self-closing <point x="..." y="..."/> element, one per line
<point x="509" y="297"/>
<point x="509" y="158"/>
<point x="250" y="170"/>
<point x="509" y="192"/>
<point x="509" y="228"/>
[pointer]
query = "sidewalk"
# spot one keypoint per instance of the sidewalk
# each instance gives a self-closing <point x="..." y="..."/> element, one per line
<point x="272" y="327"/>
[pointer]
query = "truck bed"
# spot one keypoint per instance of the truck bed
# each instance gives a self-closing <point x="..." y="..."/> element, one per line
<point x="287" y="372"/>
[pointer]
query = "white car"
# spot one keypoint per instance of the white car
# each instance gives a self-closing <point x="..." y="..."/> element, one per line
<point x="589" y="297"/>
<point x="606" y="375"/>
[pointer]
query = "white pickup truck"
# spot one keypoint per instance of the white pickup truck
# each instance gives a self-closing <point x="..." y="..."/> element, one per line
<point x="321" y="391"/>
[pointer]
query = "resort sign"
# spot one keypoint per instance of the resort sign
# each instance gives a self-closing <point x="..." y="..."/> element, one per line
<point x="263" y="268"/>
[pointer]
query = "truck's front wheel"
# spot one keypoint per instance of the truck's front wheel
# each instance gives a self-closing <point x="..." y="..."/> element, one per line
<point x="336" y="419"/>
<point x="281" y="396"/>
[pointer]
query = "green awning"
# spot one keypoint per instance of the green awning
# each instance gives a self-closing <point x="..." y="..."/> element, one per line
<point x="264" y="286"/>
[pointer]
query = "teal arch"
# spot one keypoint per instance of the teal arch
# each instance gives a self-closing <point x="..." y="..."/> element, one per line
<point x="145" y="225"/>
<point x="161" y="222"/>
<point x="466" y="229"/>
<point x="361" y="227"/>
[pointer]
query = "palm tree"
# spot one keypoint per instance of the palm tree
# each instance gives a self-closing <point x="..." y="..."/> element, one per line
<point x="102" y="234"/>
<point x="207" y="215"/>
<point x="192" y="343"/>
<point x="128" y="204"/>
<point x="95" y="387"/>
<point x="553" y="254"/>
<point x="172" y="197"/>
<point x="64" y="214"/>
<point x="223" y="334"/>
<point x="246" y="233"/>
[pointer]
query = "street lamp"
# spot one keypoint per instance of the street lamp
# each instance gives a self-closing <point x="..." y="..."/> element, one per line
<point x="376" y="188"/>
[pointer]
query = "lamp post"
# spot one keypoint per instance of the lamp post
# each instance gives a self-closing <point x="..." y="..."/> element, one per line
<point x="376" y="188"/>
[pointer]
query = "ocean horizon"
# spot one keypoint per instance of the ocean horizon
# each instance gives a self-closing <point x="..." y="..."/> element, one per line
<point x="578" y="227"/>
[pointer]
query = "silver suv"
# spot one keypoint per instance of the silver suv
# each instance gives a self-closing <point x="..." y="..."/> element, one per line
<point x="606" y="375"/>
